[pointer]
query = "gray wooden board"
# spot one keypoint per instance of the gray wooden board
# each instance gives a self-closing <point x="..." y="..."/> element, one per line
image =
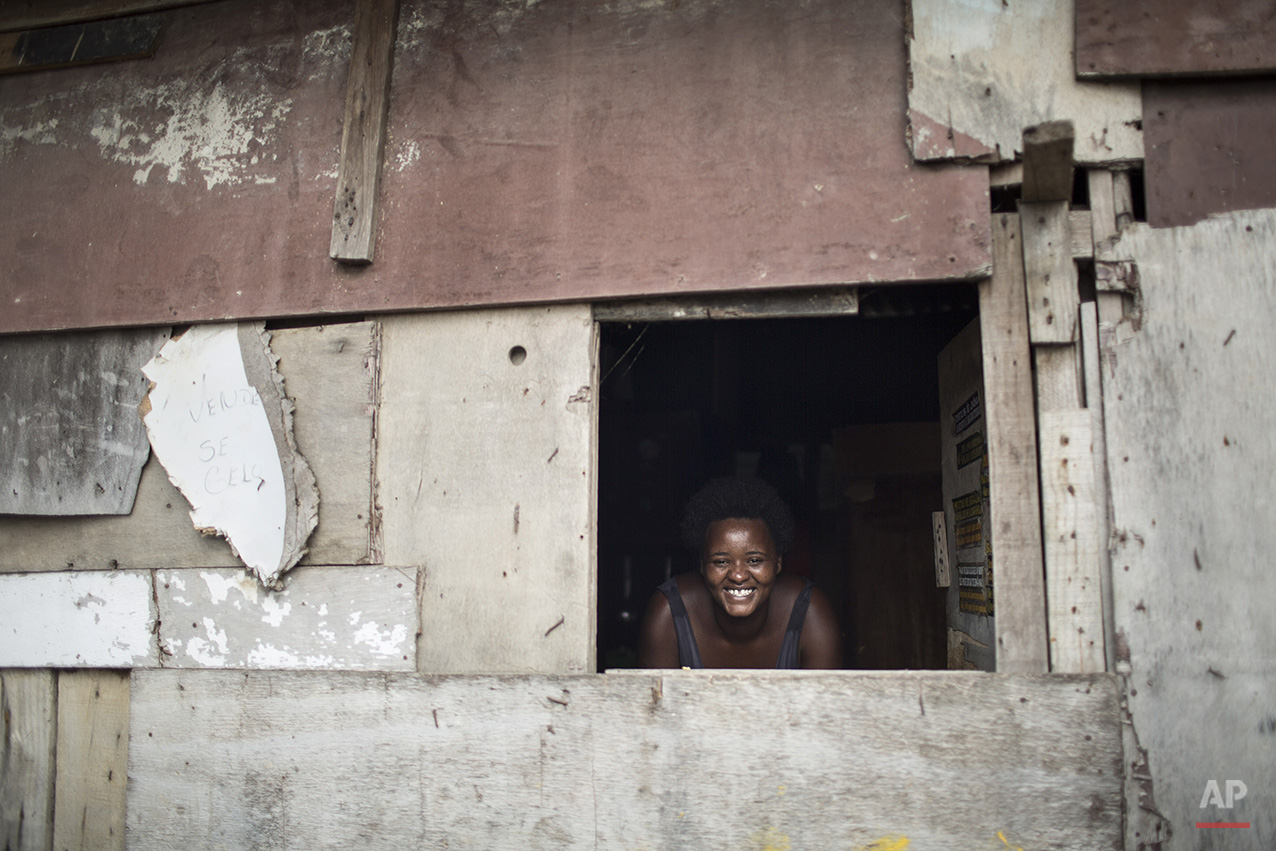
<point x="485" y="464"/>
<point x="92" y="760"/>
<point x="981" y="72"/>
<point x="1188" y="412"/>
<point x="1049" y="271"/>
<point x="28" y="701"/>
<point x="351" y="618"/>
<point x="675" y="760"/>
<point x="1012" y="457"/>
<point x="71" y="441"/>
<point x="330" y="374"/>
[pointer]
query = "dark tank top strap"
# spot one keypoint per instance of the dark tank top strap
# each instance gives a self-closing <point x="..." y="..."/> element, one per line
<point x="688" y="650"/>
<point x="789" y="655"/>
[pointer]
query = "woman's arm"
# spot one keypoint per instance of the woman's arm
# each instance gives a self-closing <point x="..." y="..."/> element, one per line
<point x="658" y="642"/>
<point x="821" y="645"/>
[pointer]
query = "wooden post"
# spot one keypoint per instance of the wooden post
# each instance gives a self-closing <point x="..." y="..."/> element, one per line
<point x="1012" y="458"/>
<point x="354" y="217"/>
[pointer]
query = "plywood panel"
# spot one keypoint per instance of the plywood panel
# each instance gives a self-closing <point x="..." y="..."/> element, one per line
<point x="92" y="760"/>
<point x="539" y="152"/>
<point x="72" y="440"/>
<point x="1190" y="454"/>
<point x="28" y="701"/>
<point x="361" y="618"/>
<point x="76" y="619"/>
<point x="623" y="761"/>
<point x="983" y="71"/>
<point x="1154" y="38"/>
<point x="486" y="464"/>
<point x="1208" y="148"/>
<point x="330" y="374"/>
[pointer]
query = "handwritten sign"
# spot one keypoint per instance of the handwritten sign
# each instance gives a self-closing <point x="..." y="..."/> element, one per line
<point x="210" y="429"/>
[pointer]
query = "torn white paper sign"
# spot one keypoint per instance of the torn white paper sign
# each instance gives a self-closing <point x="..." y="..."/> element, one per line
<point x="226" y="442"/>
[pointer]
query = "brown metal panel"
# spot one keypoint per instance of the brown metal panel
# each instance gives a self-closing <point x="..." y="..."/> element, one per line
<point x="1208" y="148"/>
<point x="1139" y="38"/>
<point x="547" y="152"/>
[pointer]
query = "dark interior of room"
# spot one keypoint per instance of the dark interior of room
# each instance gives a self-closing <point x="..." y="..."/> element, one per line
<point x="839" y="414"/>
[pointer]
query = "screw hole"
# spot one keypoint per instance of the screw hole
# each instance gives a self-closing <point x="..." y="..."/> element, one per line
<point x="518" y="354"/>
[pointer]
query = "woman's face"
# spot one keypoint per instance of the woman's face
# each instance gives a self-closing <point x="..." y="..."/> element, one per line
<point x="739" y="565"/>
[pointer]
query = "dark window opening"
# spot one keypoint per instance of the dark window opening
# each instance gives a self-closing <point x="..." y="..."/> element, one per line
<point x="840" y="414"/>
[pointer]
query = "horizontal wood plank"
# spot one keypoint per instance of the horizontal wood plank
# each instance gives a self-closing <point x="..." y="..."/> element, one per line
<point x="839" y="302"/>
<point x="356" y="618"/>
<point x="30" y="14"/>
<point x="229" y="759"/>
<point x="77" y="619"/>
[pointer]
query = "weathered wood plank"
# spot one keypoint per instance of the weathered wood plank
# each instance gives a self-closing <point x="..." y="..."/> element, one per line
<point x="330" y="373"/>
<point x="623" y="761"/>
<point x="486" y="465"/>
<point x="1047" y="161"/>
<point x="331" y="618"/>
<point x="1012" y="457"/>
<point x="981" y="72"/>
<point x="1153" y="38"/>
<point x="1090" y="343"/>
<point x="72" y="440"/>
<point x="839" y="302"/>
<point x="1050" y="274"/>
<point x="1103" y="224"/>
<point x="81" y="44"/>
<point x="354" y="216"/>
<point x="1190" y="454"/>
<point x="76" y="619"/>
<point x="29" y="14"/>
<point x="28" y="703"/>
<point x="1208" y="148"/>
<point x="1060" y="385"/>
<point x="92" y="760"/>
<point x="1068" y="510"/>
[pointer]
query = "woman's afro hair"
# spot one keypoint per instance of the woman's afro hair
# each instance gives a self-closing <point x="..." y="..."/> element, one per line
<point x="739" y="498"/>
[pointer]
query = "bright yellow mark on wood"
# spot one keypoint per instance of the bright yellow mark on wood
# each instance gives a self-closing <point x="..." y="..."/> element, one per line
<point x="886" y="843"/>
<point x="1002" y="837"/>
<point x="770" y="840"/>
<point x="781" y="790"/>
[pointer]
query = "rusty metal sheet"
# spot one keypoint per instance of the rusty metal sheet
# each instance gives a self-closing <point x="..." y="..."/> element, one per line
<point x="1142" y="38"/>
<point x="537" y="152"/>
<point x="1208" y="148"/>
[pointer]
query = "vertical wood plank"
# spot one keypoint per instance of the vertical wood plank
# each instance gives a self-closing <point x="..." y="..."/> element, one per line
<point x="1103" y="509"/>
<point x="1059" y="385"/>
<point x="1103" y="227"/>
<point x="1012" y="457"/>
<point x="1074" y="602"/>
<point x="92" y="760"/>
<point x="1051" y="275"/>
<point x="1122" y="199"/>
<point x="354" y="216"/>
<point x="28" y="700"/>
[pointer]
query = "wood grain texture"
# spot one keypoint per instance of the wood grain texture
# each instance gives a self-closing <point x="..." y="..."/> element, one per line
<point x="1190" y="451"/>
<point x="330" y="373"/>
<point x="357" y="618"/>
<point x="28" y="701"/>
<point x="485" y="464"/>
<point x="622" y="761"/>
<point x="363" y="133"/>
<point x="1103" y="224"/>
<point x="77" y="619"/>
<point x="1050" y="274"/>
<point x="982" y="72"/>
<point x="1012" y="457"/>
<point x="1047" y="161"/>
<point x="1069" y="501"/>
<point x="835" y="302"/>
<point x="552" y="152"/>
<point x="1208" y="148"/>
<point x="92" y="760"/>
<point x="1090" y="344"/>
<point x="1059" y="381"/>
<point x="1154" y="38"/>
<point x="73" y="443"/>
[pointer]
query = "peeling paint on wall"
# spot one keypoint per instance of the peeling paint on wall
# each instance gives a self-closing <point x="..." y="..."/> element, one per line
<point x="89" y="619"/>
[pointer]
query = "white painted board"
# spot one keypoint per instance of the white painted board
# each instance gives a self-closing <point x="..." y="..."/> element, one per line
<point x="221" y="426"/>
<point x="1189" y="412"/>
<point x="78" y="619"/>
<point x="331" y="618"/>
<point x="983" y="70"/>
<point x="486" y="463"/>
<point x="934" y="760"/>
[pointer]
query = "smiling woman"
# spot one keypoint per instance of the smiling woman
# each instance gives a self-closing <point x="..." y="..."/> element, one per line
<point x="741" y="610"/>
